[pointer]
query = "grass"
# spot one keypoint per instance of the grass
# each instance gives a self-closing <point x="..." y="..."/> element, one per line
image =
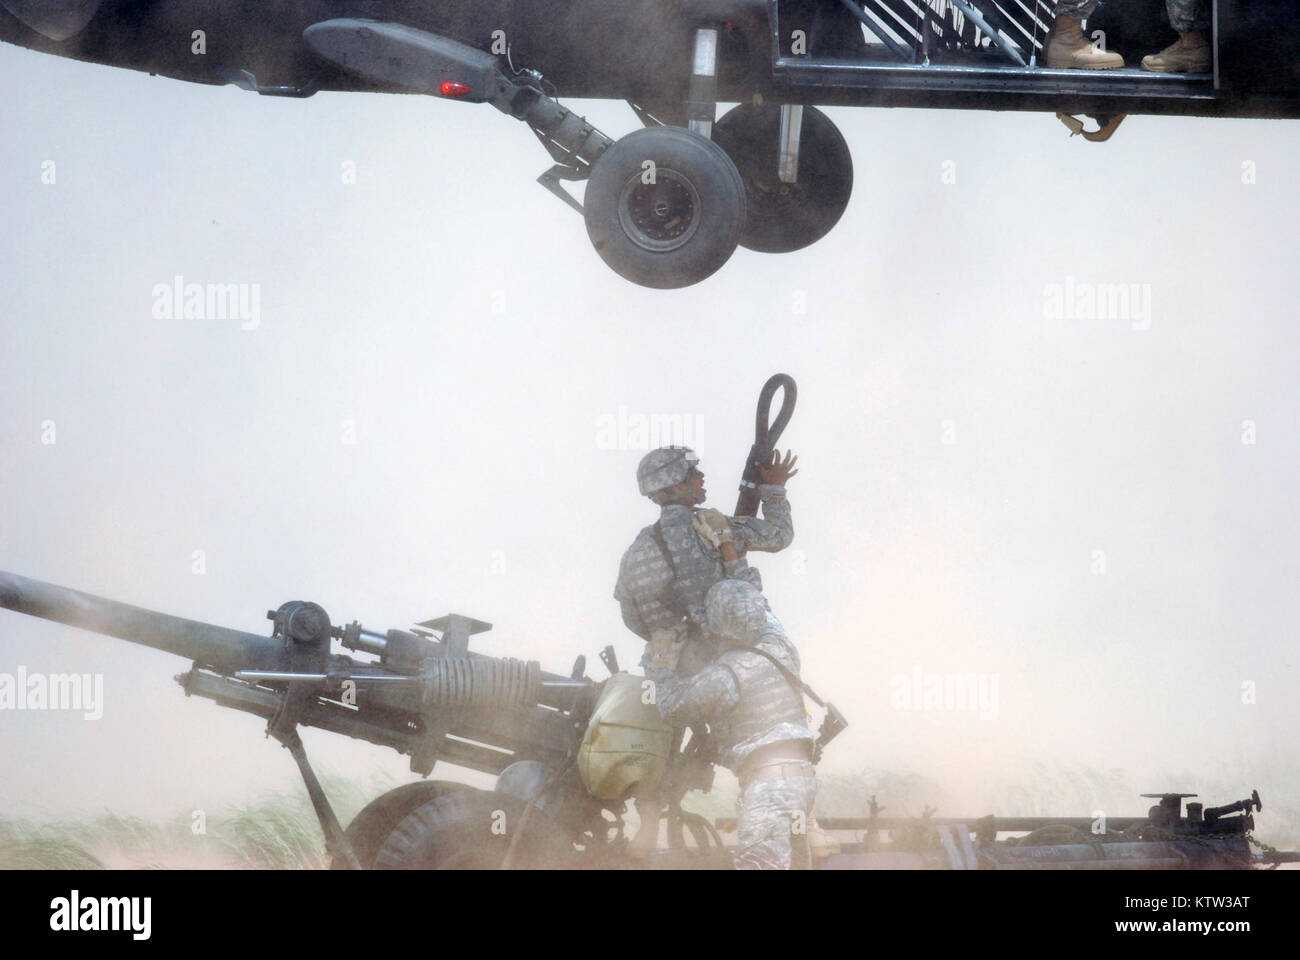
<point x="276" y="831"/>
<point x="280" y="830"/>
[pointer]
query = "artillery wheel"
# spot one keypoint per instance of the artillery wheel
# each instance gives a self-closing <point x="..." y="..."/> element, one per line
<point x="471" y="830"/>
<point x="371" y="827"/>
<point x="783" y="217"/>
<point x="664" y="207"/>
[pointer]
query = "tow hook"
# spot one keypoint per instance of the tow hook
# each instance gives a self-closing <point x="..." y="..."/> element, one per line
<point x="1106" y="126"/>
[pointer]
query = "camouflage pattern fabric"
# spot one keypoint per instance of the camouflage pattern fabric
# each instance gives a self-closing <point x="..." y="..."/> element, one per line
<point x="768" y="709"/>
<point x="1079" y="9"/>
<point x="771" y="824"/>
<point x="1185" y="16"/>
<point x="770" y="807"/>
<point x="649" y="597"/>
<point x="1188" y="16"/>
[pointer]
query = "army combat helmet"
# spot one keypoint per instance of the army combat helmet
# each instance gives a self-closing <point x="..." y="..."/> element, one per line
<point x="664" y="468"/>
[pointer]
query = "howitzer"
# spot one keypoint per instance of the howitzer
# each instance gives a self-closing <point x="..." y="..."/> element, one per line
<point x="426" y="696"/>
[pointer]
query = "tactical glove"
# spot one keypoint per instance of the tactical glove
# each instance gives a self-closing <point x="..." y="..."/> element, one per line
<point x="712" y="526"/>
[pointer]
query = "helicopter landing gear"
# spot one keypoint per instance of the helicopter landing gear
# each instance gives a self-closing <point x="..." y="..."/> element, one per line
<point x="665" y="207"/>
<point x="797" y="170"/>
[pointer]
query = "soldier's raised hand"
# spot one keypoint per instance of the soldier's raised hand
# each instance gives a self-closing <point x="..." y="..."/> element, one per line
<point x="779" y="471"/>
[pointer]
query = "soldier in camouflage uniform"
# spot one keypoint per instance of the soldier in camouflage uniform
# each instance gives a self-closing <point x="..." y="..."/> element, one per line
<point x="671" y="565"/>
<point x="1190" y="53"/>
<point x="757" y="722"/>
<point x="1065" y="46"/>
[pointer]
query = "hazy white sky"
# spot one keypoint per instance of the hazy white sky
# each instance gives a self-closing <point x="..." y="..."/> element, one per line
<point x="965" y="452"/>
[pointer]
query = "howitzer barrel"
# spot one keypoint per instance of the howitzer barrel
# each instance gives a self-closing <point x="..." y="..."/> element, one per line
<point x="218" y="647"/>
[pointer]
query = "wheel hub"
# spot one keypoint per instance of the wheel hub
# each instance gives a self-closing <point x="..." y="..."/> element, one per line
<point x="662" y="215"/>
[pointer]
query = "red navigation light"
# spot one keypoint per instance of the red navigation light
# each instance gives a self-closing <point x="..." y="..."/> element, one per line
<point x="454" y="88"/>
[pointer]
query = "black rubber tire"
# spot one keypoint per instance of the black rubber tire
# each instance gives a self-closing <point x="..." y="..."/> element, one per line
<point x="677" y="230"/>
<point x="783" y="217"/>
<point x="371" y="827"/>
<point x="455" y="832"/>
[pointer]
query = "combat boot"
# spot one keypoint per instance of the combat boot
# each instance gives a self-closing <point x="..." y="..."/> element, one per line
<point x="1065" y="48"/>
<point x="1181" y="56"/>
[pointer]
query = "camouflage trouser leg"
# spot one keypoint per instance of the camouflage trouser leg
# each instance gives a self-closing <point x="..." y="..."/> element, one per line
<point x="1079" y="9"/>
<point x="1189" y="16"/>
<point x="772" y="824"/>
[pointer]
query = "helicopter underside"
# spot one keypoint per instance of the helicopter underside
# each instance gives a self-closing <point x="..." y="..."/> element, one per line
<point x="774" y="174"/>
<point x="982" y="54"/>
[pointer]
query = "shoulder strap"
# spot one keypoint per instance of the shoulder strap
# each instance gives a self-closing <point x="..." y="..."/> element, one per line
<point x="658" y="533"/>
<point x="791" y="677"/>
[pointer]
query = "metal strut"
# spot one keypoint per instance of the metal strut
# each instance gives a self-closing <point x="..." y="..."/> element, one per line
<point x="1000" y="42"/>
<point x="904" y="53"/>
<point x="418" y="60"/>
<point x="791" y="129"/>
<point x="702" y="99"/>
<point x="336" y="841"/>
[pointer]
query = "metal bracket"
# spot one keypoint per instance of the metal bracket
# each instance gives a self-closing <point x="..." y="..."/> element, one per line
<point x="551" y="178"/>
<point x="456" y="629"/>
<point x="573" y="143"/>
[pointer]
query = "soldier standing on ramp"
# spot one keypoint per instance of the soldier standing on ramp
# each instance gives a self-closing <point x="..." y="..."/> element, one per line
<point x="671" y="565"/>
<point x="750" y="699"/>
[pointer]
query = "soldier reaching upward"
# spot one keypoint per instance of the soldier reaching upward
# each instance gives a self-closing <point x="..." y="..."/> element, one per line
<point x="665" y="574"/>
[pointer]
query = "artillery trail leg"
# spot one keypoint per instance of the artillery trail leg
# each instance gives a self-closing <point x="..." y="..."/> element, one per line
<point x="336" y="842"/>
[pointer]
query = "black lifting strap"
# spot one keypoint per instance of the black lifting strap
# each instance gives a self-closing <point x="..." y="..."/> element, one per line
<point x="766" y="434"/>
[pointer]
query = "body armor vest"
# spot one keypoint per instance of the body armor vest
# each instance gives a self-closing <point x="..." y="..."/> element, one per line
<point x="693" y="573"/>
<point x="766" y="699"/>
